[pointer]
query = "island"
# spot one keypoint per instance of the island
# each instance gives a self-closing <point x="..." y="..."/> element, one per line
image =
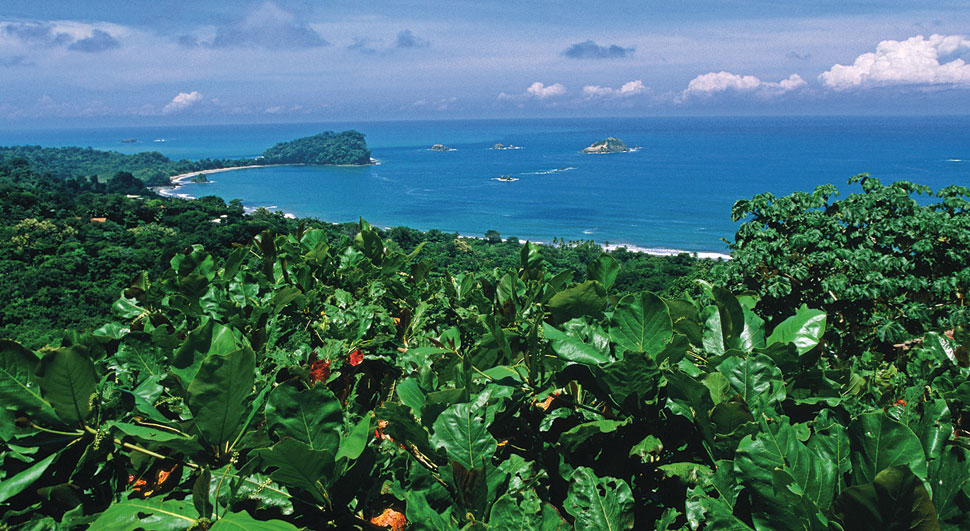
<point x="503" y="146"/>
<point x="327" y="148"/>
<point x="441" y="147"/>
<point x="610" y="145"/>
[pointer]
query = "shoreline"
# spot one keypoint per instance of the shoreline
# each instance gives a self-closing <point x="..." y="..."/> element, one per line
<point x="177" y="181"/>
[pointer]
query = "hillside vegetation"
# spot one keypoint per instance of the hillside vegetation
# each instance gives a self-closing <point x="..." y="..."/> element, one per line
<point x="306" y="378"/>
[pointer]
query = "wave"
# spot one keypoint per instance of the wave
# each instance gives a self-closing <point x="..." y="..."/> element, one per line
<point x="552" y="171"/>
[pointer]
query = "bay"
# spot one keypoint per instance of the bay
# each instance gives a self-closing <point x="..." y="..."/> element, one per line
<point x="675" y="192"/>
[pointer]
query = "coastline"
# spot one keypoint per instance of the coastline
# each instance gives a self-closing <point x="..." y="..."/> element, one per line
<point x="177" y="182"/>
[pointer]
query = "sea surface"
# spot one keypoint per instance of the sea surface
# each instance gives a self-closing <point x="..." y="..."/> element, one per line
<point x="675" y="192"/>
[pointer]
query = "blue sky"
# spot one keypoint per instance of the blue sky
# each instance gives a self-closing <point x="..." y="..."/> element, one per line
<point x="68" y="62"/>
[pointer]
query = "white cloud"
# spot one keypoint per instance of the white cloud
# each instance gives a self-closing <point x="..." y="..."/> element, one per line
<point x="539" y="90"/>
<point x="714" y="82"/>
<point x="536" y="91"/>
<point x="913" y="61"/>
<point x="183" y="101"/>
<point x="629" y="88"/>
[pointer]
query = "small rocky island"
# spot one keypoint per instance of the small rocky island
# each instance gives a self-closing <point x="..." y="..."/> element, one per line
<point x="441" y="147"/>
<point x="610" y="145"/>
<point x="503" y="146"/>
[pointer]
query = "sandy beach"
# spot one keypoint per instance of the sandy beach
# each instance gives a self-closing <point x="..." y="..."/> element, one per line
<point x="178" y="180"/>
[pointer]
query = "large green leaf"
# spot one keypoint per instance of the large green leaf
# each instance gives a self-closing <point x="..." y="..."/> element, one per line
<point x="217" y="396"/>
<point x="424" y="517"/>
<point x="298" y="466"/>
<point x="206" y="340"/>
<point x="16" y="484"/>
<point x="777" y="448"/>
<point x="641" y="323"/>
<point x="18" y="389"/>
<point x="461" y="431"/>
<point x="68" y="380"/>
<point x="241" y="521"/>
<point x="630" y="382"/>
<point x="524" y="512"/>
<point x="756" y="379"/>
<point x="603" y="270"/>
<point x="588" y="298"/>
<point x="949" y="476"/>
<point x="731" y="317"/>
<point x="878" y="443"/>
<point x="599" y="504"/>
<point x="150" y="513"/>
<point x="573" y="349"/>
<point x="804" y="329"/>
<point x="312" y="416"/>
<point x="895" y="499"/>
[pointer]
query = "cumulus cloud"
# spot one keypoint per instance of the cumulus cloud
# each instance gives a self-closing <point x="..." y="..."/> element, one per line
<point x="407" y="39"/>
<point x="181" y="102"/>
<point x="267" y="27"/>
<point x="99" y="41"/>
<point x="714" y="82"/>
<point x="916" y="60"/>
<point x="541" y="91"/>
<point x="629" y="88"/>
<point x="591" y="50"/>
<point x="536" y="91"/>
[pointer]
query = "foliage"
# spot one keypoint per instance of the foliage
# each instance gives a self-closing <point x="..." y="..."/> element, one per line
<point x="347" y="147"/>
<point x="884" y="265"/>
<point x="301" y="382"/>
<point x="68" y="247"/>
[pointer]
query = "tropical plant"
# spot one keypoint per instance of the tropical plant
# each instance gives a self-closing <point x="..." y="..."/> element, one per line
<point x="303" y="383"/>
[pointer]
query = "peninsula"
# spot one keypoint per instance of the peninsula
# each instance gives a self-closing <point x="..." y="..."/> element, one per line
<point x="610" y="145"/>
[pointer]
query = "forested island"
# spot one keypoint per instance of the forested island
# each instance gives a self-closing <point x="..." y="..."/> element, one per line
<point x="327" y="148"/>
<point x="178" y="364"/>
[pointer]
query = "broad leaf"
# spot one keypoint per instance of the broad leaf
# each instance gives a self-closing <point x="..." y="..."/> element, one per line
<point x="573" y="349"/>
<point x="588" y="298"/>
<point x="16" y="484"/>
<point x="599" y="504"/>
<point x="878" y="443"/>
<point x="298" y="466"/>
<point x="804" y="329"/>
<point x="462" y="434"/>
<point x="756" y="379"/>
<point x="217" y="396"/>
<point x="18" y="388"/>
<point x="150" y="513"/>
<point x="896" y="499"/>
<point x="67" y="379"/>
<point x="603" y="270"/>
<point x="312" y="416"/>
<point x="641" y="323"/>
<point x="777" y="448"/>
<point x="241" y="521"/>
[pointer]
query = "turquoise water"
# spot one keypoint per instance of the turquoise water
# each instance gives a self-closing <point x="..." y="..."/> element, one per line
<point x="676" y="192"/>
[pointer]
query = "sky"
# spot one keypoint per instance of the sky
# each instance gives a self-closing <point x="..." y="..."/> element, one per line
<point x="165" y="62"/>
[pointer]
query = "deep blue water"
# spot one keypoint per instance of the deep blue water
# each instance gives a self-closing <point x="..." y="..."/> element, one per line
<point x="676" y="192"/>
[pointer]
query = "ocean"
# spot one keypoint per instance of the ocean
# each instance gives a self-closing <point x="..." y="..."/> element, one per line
<point x="674" y="193"/>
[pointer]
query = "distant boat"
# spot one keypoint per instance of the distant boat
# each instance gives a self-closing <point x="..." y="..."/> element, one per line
<point x="158" y="140"/>
<point x="129" y="141"/>
<point x="507" y="179"/>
